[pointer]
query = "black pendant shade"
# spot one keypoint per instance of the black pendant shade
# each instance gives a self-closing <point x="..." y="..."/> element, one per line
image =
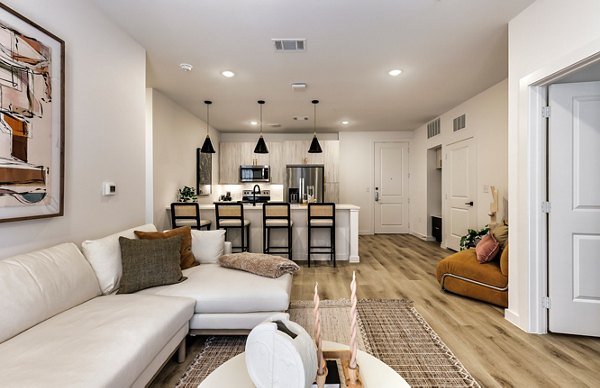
<point x="207" y="147"/>
<point x="261" y="146"/>
<point x="315" y="147"/>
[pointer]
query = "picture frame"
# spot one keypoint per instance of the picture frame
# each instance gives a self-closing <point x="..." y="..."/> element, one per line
<point x="32" y="124"/>
<point x="203" y="173"/>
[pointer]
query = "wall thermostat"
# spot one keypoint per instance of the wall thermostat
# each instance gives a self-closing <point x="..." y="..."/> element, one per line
<point x="109" y="188"/>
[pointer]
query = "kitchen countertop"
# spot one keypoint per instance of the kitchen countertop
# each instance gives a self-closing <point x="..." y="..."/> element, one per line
<point x="248" y="206"/>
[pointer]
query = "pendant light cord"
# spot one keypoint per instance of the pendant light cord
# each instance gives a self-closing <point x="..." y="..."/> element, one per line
<point x="315" y="119"/>
<point x="260" y="119"/>
<point x="207" y="118"/>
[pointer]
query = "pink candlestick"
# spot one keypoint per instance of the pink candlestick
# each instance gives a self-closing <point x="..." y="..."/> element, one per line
<point x="354" y="324"/>
<point x="317" y="314"/>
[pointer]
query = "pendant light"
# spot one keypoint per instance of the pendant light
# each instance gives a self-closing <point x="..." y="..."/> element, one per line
<point x="315" y="147"/>
<point x="261" y="146"/>
<point x="207" y="147"/>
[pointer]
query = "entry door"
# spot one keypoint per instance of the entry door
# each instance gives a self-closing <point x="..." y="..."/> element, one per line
<point x="391" y="187"/>
<point x="461" y="190"/>
<point x="574" y="219"/>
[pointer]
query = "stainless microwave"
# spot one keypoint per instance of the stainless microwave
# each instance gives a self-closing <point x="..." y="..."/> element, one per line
<point x="255" y="174"/>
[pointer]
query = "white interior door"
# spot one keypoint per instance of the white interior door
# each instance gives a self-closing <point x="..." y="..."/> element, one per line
<point x="461" y="190"/>
<point x="391" y="187"/>
<point x="574" y="219"/>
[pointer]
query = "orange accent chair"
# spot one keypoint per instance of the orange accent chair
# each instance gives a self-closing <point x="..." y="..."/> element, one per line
<point x="462" y="274"/>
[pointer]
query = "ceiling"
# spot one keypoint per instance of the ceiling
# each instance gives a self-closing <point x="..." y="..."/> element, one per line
<point x="449" y="50"/>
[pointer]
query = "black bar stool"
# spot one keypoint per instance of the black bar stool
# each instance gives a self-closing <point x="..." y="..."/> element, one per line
<point x="187" y="214"/>
<point x="321" y="215"/>
<point x="231" y="215"/>
<point x="276" y="215"/>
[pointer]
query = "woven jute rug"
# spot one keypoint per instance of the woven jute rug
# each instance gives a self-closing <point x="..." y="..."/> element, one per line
<point x="391" y="330"/>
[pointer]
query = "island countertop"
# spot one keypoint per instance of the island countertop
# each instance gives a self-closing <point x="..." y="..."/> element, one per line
<point x="346" y="230"/>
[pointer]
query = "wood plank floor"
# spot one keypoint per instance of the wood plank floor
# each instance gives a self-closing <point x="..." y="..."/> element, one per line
<point x="497" y="353"/>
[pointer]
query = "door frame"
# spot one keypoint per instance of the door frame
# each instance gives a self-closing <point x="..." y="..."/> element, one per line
<point x="533" y="96"/>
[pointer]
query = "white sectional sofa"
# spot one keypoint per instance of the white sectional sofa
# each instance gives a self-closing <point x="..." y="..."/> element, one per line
<point x="58" y="329"/>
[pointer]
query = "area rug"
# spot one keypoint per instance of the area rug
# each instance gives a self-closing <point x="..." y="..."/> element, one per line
<point x="391" y="330"/>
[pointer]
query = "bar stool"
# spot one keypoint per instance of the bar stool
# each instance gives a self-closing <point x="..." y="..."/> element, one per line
<point x="187" y="214"/>
<point x="276" y="215"/>
<point x="231" y="216"/>
<point x="321" y="215"/>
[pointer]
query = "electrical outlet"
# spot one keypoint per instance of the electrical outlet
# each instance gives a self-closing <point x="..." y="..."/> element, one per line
<point x="486" y="188"/>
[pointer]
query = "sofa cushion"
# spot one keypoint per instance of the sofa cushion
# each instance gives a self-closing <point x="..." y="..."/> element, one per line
<point x="187" y="259"/>
<point x="105" y="342"/>
<point x="105" y="257"/>
<point x="149" y="263"/>
<point x="38" y="285"/>
<point x="501" y="235"/>
<point x="223" y="290"/>
<point x="464" y="263"/>
<point x="207" y="245"/>
<point x="487" y="248"/>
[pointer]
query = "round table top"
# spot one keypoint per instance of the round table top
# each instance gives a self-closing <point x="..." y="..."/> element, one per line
<point x="374" y="372"/>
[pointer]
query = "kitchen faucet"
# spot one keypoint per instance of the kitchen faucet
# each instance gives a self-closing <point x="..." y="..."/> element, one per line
<point x="254" y="194"/>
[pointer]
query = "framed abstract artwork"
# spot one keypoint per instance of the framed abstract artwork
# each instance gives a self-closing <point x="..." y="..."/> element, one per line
<point x="32" y="127"/>
<point x="203" y="173"/>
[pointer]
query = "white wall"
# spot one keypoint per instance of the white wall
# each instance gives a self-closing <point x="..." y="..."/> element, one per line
<point x="177" y="134"/>
<point x="104" y="140"/>
<point x="357" y="169"/>
<point x="486" y="122"/>
<point x="546" y="37"/>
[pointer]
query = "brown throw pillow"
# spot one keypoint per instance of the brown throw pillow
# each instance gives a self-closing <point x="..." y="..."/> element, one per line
<point x="149" y="263"/>
<point x="259" y="264"/>
<point x="501" y="235"/>
<point x="487" y="248"/>
<point x="187" y="257"/>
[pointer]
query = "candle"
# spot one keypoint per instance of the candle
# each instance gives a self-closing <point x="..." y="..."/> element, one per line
<point x="317" y="314"/>
<point x="354" y="324"/>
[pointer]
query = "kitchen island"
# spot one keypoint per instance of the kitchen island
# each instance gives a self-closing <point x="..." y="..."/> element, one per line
<point x="346" y="231"/>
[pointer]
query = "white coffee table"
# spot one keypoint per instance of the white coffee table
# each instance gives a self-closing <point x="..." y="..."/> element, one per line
<point x="375" y="373"/>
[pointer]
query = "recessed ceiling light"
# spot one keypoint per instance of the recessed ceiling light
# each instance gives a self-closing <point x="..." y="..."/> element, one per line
<point x="228" y="73"/>
<point x="186" y="66"/>
<point x="395" y="72"/>
<point x="345" y="122"/>
<point x="254" y="123"/>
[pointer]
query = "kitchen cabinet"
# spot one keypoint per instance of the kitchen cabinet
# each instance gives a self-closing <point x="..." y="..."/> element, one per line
<point x="277" y="162"/>
<point x="234" y="154"/>
<point x="229" y="162"/>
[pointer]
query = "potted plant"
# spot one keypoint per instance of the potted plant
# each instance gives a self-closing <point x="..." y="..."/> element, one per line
<point x="472" y="237"/>
<point x="187" y="194"/>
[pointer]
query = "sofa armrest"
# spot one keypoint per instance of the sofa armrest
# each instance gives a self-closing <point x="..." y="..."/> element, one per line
<point x="504" y="261"/>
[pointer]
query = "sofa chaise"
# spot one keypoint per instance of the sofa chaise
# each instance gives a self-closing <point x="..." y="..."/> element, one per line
<point x="61" y="326"/>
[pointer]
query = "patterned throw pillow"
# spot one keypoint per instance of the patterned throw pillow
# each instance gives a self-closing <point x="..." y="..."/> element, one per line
<point x="187" y="257"/>
<point x="487" y="248"/>
<point x="149" y="263"/>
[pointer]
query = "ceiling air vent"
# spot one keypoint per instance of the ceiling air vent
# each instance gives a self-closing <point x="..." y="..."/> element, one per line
<point x="460" y="122"/>
<point x="433" y="128"/>
<point x="289" y="44"/>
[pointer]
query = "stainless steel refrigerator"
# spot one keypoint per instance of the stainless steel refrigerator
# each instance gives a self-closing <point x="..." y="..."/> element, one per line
<point x="304" y="181"/>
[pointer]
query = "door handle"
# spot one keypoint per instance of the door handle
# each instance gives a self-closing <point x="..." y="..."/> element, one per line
<point x="469" y="203"/>
<point x="377" y="194"/>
